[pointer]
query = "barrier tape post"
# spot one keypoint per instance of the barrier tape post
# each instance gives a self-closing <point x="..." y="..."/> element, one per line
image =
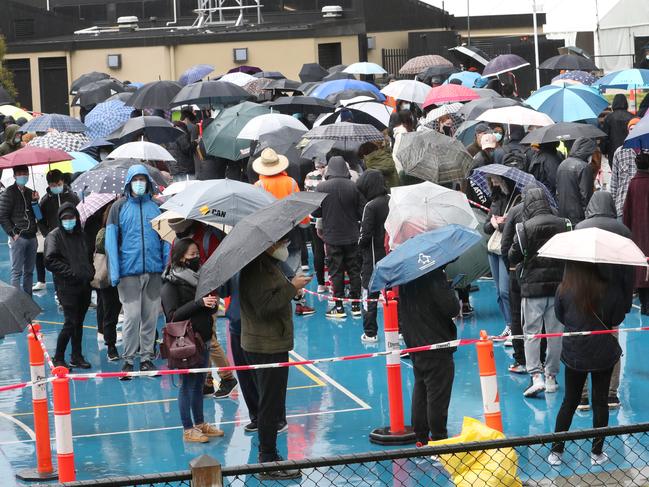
<point x="489" y="382"/>
<point x="397" y="433"/>
<point x="44" y="469"/>
<point x="63" y="425"/>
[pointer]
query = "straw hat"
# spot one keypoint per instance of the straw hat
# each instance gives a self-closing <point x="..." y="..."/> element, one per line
<point x="270" y="163"/>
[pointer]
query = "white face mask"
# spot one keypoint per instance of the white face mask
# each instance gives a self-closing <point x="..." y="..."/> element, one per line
<point x="280" y="253"/>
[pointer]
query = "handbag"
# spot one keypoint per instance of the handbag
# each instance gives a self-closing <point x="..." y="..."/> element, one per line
<point x="181" y="345"/>
<point x="493" y="245"/>
<point x="100" y="280"/>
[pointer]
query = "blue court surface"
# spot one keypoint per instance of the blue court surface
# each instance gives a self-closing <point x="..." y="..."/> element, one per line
<point x="128" y="428"/>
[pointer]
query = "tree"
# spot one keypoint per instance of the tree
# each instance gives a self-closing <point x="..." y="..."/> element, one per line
<point x="6" y="76"/>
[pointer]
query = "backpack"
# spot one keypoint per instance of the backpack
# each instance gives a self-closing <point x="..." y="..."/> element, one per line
<point x="515" y="158"/>
<point x="181" y="346"/>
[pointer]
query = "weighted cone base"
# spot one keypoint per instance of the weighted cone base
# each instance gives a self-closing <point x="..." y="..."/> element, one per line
<point x="33" y="475"/>
<point x="383" y="436"/>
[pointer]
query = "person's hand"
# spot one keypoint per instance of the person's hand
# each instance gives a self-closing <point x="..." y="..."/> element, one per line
<point x="210" y="301"/>
<point x="494" y="221"/>
<point x="15" y="237"/>
<point x="300" y="281"/>
<point x="318" y="231"/>
<point x="500" y="219"/>
<point x="35" y="196"/>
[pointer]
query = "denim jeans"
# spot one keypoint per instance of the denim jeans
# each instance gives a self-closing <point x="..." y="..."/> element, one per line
<point x="190" y="397"/>
<point x="23" y="259"/>
<point x="501" y="280"/>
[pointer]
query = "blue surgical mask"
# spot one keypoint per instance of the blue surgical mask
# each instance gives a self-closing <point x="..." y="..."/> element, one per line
<point x="499" y="136"/>
<point x="56" y="189"/>
<point x="138" y="188"/>
<point x="69" y="225"/>
<point x="21" y="180"/>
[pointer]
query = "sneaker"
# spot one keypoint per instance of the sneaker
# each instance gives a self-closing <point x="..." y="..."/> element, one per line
<point x="126" y="368"/>
<point x="225" y="388"/>
<point x="598" y="458"/>
<point x="209" y="430"/>
<point x="613" y="402"/>
<point x="39" y="286"/>
<point x="509" y="342"/>
<point x="467" y="309"/>
<point x="280" y="475"/>
<point x="100" y="338"/>
<point x="537" y="386"/>
<point x="321" y="289"/>
<point x="120" y="318"/>
<point x="303" y="310"/>
<point x="506" y="332"/>
<point x="517" y="368"/>
<point x="112" y="353"/>
<point x="147" y="366"/>
<point x="208" y="389"/>
<point x="79" y="363"/>
<point x="356" y="309"/>
<point x="555" y="459"/>
<point x="282" y="427"/>
<point x="369" y="339"/>
<point x="336" y="312"/>
<point x="551" y="384"/>
<point x="194" y="435"/>
<point x="584" y="404"/>
<point x="251" y="427"/>
<point x="60" y="363"/>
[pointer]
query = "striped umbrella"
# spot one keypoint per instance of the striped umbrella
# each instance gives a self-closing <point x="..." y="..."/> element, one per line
<point x="62" y="123"/>
<point x="65" y="141"/>
<point x="346" y="131"/>
<point x="107" y="117"/>
<point x="568" y="103"/>
<point x="520" y="179"/>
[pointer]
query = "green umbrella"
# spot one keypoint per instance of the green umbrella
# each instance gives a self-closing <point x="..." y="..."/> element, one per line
<point x="473" y="263"/>
<point x="220" y="137"/>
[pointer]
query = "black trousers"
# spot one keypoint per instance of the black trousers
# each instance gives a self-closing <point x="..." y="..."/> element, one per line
<point x="434" y="372"/>
<point x="108" y="308"/>
<point x="246" y="377"/>
<point x="575" y="381"/>
<point x="344" y="258"/>
<point x="75" y="301"/>
<point x="317" y="245"/>
<point x="370" y="326"/>
<point x="643" y="294"/>
<point x="40" y="267"/>
<point x="517" y="320"/>
<point x="271" y="386"/>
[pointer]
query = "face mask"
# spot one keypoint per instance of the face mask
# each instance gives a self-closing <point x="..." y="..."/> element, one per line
<point x="21" y="180"/>
<point x="17" y="140"/>
<point x="138" y="188"/>
<point x="499" y="136"/>
<point x="405" y="106"/>
<point x="280" y="253"/>
<point x="194" y="263"/>
<point x="69" y="225"/>
<point x="56" y="189"/>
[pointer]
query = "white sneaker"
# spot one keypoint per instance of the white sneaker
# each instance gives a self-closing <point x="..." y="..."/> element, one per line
<point x="537" y="386"/>
<point x="551" y="384"/>
<point x="600" y="459"/>
<point x="509" y="342"/>
<point x="506" y="332"/>
<point x="39" y="286"/>
<point x="120" y="318"/>
<point x="321" y="289"/>
<point x="555" y="459"/>
<point x="100" y="337"/>
<point x="366" y="339"/>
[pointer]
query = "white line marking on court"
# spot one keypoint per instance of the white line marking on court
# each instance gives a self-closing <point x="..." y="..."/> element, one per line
<point x="636" y="306"/>
<point x="324" y="376"/>
<point x="21" y="425"/>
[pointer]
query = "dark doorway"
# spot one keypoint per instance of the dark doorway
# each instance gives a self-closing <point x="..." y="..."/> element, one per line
<point x="53" y="73"/>
<point x="330" y="54"/>
<point x="22" y="80"/>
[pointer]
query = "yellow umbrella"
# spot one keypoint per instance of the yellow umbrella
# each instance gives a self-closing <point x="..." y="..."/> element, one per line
<point x="15" y="112"/>
<point x="63" y="166"/>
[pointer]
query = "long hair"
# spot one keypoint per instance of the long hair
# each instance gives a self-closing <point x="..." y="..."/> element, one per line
<point x="585" y="283"/>
<point x="179" y="250"/>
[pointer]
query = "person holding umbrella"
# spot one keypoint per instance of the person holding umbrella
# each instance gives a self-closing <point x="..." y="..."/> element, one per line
<point x="616" y="125"/>
<point x="545" y="163"/>
<point x="575" y="180"/>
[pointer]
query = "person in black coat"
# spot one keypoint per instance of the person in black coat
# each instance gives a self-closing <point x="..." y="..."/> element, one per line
<point x="182" y="149"/>
<point x="615" y="125"/>
<point x="372" y="242"/>
<point x="67" y="258"/>
<point x="544" y="164"/>
<point x="575" y="180"/>
<point x="427" y="307"/>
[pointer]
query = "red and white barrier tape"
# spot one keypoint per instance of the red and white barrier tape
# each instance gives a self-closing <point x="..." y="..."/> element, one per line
<point x="329" y="297"/>
<point x="41" y="341"/>
<point x="478" y="205"/>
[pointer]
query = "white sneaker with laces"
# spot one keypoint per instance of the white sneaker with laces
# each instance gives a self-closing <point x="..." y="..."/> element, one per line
<point x="509" y="342"/>
<point x="321" y="289"/>
<point x="598" y="459"/>
<point x="551" y="385"/>
<point x="506" y="332"/>
<point x="537" y="386"/>
<point x="39" y="286"/>
<point x="555" y="459"/>
<point x="366" y="339"/>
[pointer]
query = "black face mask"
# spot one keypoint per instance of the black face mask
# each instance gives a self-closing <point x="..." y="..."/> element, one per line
<point x="193" y="264"/>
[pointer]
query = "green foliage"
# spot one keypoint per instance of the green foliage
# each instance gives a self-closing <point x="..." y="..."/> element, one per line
<point x="6" y="76"/>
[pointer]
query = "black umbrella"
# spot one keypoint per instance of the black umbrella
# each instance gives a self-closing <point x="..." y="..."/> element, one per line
<point x="84" y="79"/>
<point x="574" y="50"/>
<point x="210" y="93"/>
<point x="338" y="75"/>
<point x="269" y="75"/>
<point x="467" y="54"/>
<point x="155" y="129"/>
<point x="475" y="108"/>
<point x="155" y="95"/>
<point x="284" y="141"/>
<point x="253" y="235"/>
<point x="124" y="96"/>
<point x="283" y="85"/>
<point x="562" y="131"/>
<point x="301" y="104"/>
<point x="97" y="92"/>
<point x="16" y="308"/>
<point x="109" y="176"/>
<point x="312" y="72"/>
<point x="318" y="149"/>
<point x="441" y="70"/>
<point x="5" y="97"/>
<point x="569" y="62"/>
<point x="337" y="68"/>
<point x="349" y="94"/>
<point x="307" y="87"/>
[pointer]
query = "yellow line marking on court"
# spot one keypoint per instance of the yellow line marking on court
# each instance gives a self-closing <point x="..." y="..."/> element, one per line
<point x="61" y="323"/>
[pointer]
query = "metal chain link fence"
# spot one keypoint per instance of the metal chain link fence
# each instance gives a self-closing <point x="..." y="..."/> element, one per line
<point x="508" y="462"/>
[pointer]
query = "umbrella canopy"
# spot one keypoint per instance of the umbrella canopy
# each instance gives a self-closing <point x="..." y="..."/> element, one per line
<point x="85" y="79"/>
<point x="253" y="235"/>
<point x="575" y="77"/>
<point x="65" y="141"/>
<point x="110" y="177"/>
<point x="422" y="254"/>
<point x="124" y="96"/>
<point x="238" y="78"/>
<point x="449" y="93"/>
<point x="62" y="123"/>
<point x="5" y="97"/>
<point x="284" y="141"/>
<point x="351" y="94"/>
<point x="15" y="112"/>
<point x="195" y="73"/>
<point x="269" y="122"/>
<point x="142" y="150"/>
<point x="318" y="149"/>
<point x="97" y="92"/>
<point x="638" y="138"/>
<point x="257" y="87"/>
<point x="179" y="187"/>
<point x="625" y="79"/>
<point x="96" y="144"/>
<point x="569" y="62"/>
<point x="283" y="85"/>
<point x="420" y="63"/>
<point x="218" y="202"/>
<point x="408" y="90"/>
<point x="339" y="75"/>
<point x="364" y="68"/>
<point x="17" y="309"/>
<point x="470" y="53"/>
<point x="447" y="109"/>
<point x="269" y="75"/>
<point x="331" y="87"/>
<point x="562" y="131"/>
<point x="346" y="131"/>
<point x="155" y="95"/>
<point x="465" y="132"/>
<point x="434" y="157"/>
<point x="474" y="263"/>
<point x="155" y="129"/>
<point x="107" y="117"/>
<point x="487" y="92"/>
<point x="33" y="156"/>
<point x="220" y="137"/>
<point x="437" y="72"/>
<point x="520" y="179"/>
<point x="473" y="109"/>
<point x="594" y="245"/>
<point x="92" y="203"/>
<point x="515" y="115"/>
<point x="312" y="72"/>
<point x="245" y="69"/>
<point x="568" y="103"/>
<point x="337" y="68"/>
<point x="80" y="162"/>
<point x="308" y="87"/>
<point x="422" y="207"/>
<point x="470" y="79"/>
<point x="301" y="104"/>
<point x="503" y="64"/>
<point x="210" y="93"/>
<point x="364" y="112"/>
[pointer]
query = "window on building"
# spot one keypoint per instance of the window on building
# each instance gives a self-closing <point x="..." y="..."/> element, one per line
<point x="161" y="9"/>
<point x="129" y="9"/>
<point x="93" y="13"/>
<point x="330" y="54"/>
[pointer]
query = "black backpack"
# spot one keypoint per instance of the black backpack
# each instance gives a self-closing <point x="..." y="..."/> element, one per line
<point x="515" y="158"/>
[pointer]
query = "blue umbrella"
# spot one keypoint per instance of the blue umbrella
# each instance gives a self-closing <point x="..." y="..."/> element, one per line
<point x="107" y="117"/>
<point x="195" y="73"/>
<point x="469" y="79"/>
<point x="638" y="138"/>
<point x="625" y="79"/>
<point x="582" y="77"/>
<point x="465" y="133"/>
<point x="520" y="179"/>
<point x="568" y="103"/>
<point x="422" y="254"/>
<point x="331" y="87"/>
<point x="82" y="162"/>
<point x="62" y="123"/>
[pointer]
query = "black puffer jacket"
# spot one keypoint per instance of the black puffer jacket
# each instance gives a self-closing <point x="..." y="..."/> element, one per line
<point x="372" y="240"/>
<point x="16" y="213"/>
<point x="538" y="277"/>
<point x="50" y="204"/>
<point x="575" y="181"/>
<point x="615" y="124"/>
<point x="66" y="255"/>
<point x="182" y="149"/>
<point x="343" y="208"/>
<point x="544" y="165"/>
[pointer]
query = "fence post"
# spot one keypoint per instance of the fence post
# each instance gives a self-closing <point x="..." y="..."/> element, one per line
<point x="489" y="382"/>
<point x="63" y="425"/>
<point x="206" y="472"/>
<point x="397" y="433"/>
<point x="44" y="469"/>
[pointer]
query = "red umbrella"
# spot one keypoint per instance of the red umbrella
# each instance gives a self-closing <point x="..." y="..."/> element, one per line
<point x="33" y="156"/>
<point x="449" y="93"/>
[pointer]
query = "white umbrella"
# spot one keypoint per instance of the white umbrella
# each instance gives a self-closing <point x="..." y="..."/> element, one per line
<point x="447" y="109"/>
<point x="407" y="90"/>
<point x="238" y="78"/>
<point x="594" y="245"/>
<point x="422" y="207"/>
<point x="178" y="187"/>
<point x="371" y="107"/>
<point x="515" y="115"/>
<point x="145" y="151"/>
<point x="364" y="68"/>
<point x="269" y="122"/>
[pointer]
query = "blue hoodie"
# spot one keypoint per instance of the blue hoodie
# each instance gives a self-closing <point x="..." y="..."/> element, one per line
<point x="132" y="245"/>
